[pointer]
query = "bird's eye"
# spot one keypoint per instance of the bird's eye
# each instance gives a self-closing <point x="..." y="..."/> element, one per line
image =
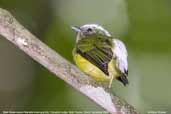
<point x="89" y="29"/>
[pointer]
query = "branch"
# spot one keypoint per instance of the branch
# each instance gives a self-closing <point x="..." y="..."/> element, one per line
<point x="12" y="30"/>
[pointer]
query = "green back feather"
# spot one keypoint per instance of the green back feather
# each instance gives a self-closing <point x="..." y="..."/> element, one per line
<point x="98" y="50"/>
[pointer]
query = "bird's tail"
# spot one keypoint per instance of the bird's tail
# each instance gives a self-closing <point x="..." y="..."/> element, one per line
<point x="123" y="79"/>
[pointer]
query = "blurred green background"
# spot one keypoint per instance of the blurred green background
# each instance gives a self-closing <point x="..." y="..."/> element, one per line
<point x="144" y="26"/>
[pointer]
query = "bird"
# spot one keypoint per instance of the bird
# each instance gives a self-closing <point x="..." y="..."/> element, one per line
<point x="99" y="55"/>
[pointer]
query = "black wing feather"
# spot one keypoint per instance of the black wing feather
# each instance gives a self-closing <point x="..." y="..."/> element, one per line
<point x="99" y="56"/>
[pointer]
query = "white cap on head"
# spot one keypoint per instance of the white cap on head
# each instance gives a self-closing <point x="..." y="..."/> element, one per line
<point x="96" y="26"/>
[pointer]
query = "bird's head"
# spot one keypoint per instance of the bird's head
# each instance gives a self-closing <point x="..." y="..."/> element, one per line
<point x="89" y="30"/>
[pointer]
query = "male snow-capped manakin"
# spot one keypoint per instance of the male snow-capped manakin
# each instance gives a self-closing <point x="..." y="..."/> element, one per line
<point x="99" y="55"/>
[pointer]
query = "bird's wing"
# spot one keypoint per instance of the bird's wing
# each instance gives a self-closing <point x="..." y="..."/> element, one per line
<point x="120" y="54"/>
<point x="99" y="56"/>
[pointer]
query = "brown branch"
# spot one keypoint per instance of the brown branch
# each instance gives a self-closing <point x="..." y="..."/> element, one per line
<point x="12" y="30"/>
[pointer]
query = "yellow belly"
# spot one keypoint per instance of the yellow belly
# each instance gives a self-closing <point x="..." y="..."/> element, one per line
<point x="94" y="71"/>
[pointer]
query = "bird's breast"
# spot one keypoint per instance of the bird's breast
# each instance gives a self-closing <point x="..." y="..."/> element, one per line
<point x="93" y="70"/>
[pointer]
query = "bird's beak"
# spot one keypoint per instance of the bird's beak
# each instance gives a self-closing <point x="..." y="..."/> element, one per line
<point x="76" y="29"/>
